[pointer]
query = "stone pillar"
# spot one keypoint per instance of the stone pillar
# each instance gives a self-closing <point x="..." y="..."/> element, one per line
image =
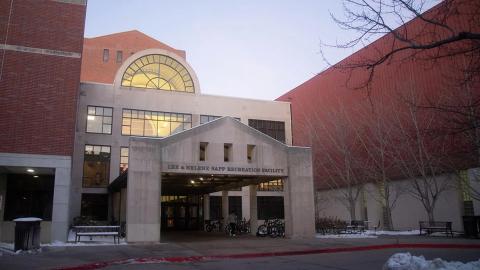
<point x="299" y="194"/>
<point x="61" y="203"/>
<point x="206" y="207"/>
<point x="143" y="192"/>
<point x="252" y="208"/>
<point x="246" y="202"/>
<point x="225" y="206"/>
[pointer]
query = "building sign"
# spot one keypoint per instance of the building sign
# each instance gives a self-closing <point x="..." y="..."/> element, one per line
<point x="214" y="169"/>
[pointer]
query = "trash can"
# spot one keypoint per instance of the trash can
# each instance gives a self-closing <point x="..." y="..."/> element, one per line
<point x="471" y="226"/>
<point x="27" y="233"/>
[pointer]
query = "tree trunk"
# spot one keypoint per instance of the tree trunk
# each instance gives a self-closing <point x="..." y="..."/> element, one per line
<point x="353" y="215"/>
<point x="387" y="218"/>
<point x="430" y="215"/>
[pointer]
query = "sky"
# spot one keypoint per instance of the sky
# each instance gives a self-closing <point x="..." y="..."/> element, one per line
<point x="251" y="49"/>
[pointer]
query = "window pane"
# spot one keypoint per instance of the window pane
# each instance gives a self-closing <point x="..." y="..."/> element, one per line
<point x="96" y="166"/>
<point x="107" y="111"/>
<point x="94" y="124"/>
<point x="137" y="127"/>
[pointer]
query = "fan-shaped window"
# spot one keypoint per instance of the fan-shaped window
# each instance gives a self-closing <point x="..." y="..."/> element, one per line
<point x="158" y="71"/>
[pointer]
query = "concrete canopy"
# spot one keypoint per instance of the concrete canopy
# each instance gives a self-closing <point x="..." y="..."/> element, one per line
<point x="174" y="163"/>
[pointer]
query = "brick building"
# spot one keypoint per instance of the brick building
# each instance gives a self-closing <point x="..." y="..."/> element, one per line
<point x="334" y="113"/>
<point x="40" y="58"/>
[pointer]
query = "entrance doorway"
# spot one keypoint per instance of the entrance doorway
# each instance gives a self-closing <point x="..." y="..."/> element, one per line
<point x="181" y="213"/>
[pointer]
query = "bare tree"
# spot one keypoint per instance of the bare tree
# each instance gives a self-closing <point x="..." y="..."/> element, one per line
<point x="446" y="35"/>
<point x="439" y="34"/>
<point x="420" y="155"/>
<point x="337" y="157"/>
<point x="378" y="143"/>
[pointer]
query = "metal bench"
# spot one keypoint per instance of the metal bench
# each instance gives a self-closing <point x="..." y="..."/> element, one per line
<point x="356" y="226"/>
<point x="436" y="226"/>
<point x="97" y="231"/>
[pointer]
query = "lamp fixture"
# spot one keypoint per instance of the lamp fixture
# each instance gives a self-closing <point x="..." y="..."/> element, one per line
<point x="30" y="170"/>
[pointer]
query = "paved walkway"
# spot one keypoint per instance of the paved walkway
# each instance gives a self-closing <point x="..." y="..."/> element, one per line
<point x="203" y="249"/>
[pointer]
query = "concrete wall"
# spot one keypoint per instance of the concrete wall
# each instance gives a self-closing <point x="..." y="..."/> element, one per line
<point x="143" y="192"/>
<point x="407" y="212"/>
<point x="61" y="193"/>
<point x="299" y="194"/>
<point x="157" y="100"/>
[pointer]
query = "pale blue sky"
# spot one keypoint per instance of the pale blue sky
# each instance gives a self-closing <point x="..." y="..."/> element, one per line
<point x="252" y="49"/>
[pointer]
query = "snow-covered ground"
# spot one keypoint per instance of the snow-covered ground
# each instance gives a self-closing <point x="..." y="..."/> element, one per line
<point x="367" y="234"/>
<point x="405" y="261"/>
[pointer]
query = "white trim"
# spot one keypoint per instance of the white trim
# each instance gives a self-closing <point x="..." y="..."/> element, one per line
<point x="44" y="51"/>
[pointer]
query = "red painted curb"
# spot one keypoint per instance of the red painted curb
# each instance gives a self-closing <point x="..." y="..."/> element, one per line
<point x="100" y="265"/>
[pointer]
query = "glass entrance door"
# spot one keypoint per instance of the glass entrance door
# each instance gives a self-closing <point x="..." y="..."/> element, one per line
<point x="180" y="213"/>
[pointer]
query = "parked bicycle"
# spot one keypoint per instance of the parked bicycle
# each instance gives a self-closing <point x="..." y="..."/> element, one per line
<point x="273" y="228"/>
<point x="243" y="226"/>
<point x="213" y="225"/>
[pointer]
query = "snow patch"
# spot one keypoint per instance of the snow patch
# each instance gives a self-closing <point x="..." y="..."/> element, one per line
<point x="27" y="219"/>
<point x="405" y="261"/>
<point x="346" y="235"/>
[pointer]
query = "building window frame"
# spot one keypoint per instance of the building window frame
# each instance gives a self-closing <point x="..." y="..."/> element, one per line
<point x="274" y="185"/>
<point x="106" y="119"/>
<point x="124" y="153"/>
<point x="132" y="117"/>
<point x="102" y="159"/>
<point x="106" y="55"/>
<point x="119" y="57"/>
<point x="203" y="148"/>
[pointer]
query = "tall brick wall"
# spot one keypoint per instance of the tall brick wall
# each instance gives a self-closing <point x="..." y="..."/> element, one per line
<point x="38" y="91"/>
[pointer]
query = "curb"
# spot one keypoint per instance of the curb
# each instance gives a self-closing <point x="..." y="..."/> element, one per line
<point x="188" y="259"/>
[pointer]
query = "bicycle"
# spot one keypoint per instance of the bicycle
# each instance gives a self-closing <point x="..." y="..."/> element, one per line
<point x="213" y="225"/>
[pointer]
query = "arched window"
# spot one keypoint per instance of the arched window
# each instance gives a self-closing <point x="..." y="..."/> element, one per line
<point x="156" y="71"/>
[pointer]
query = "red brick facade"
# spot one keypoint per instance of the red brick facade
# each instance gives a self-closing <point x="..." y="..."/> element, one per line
<point x="94" y="69"/>
<point x="336" y="89"/>
<point x="38" y="91"/>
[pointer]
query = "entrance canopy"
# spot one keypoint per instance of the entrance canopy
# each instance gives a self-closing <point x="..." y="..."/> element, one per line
<point x="219" y="155"/>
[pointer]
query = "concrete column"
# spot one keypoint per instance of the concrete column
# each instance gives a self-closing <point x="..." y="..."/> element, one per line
<point x="206" y="207"/>
<point x="299" y="194"/>
<point x="143" y="192"/>
<point x="246" y="202"/>
<point x="61" y="204"/>
<point x="225" y="206"/>
<point x="252" y="197"/>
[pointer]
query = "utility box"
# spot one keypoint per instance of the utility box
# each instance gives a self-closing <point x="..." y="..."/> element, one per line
<point x="27" y="233"/>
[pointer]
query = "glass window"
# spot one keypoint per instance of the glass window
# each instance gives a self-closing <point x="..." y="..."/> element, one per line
<point x="275" y="185"/>
<point x="215" y="207"/>
<point x="203" y="151"/>
<point x="235" y="205"/>
<point x="94" y="206"/>
<point x="123" y="159"/>
<point x="154" y="124"/>
<point x="28" y="196"/>
<point x="270" y="207"/>
<point x="227" y="152"/>
<point x="119" y="57"/>
<point x="250" y="152"/>
<point x="209" y="118"/>
<point x="158" y="72"/>
<point x="99" y="119"/>
<point x="96" y="166"/>
<point x="106" y="55"/>
<point x="274" y="129"/>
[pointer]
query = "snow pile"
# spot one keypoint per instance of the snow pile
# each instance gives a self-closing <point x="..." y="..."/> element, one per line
<point x="346" y="235"/>
<point x="405" y="261"/>
<point x="412" y="232"/>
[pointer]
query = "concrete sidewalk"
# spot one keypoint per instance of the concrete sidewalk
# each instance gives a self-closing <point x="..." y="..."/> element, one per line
<point x="198" y="244"/>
